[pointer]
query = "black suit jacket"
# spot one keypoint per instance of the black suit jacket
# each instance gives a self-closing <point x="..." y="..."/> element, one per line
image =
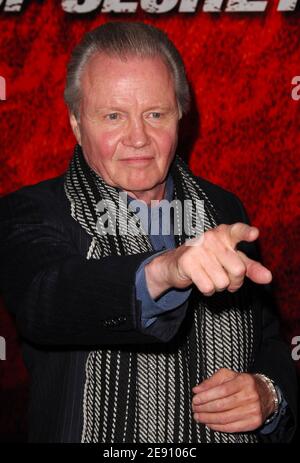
<point x="66" y="306"/>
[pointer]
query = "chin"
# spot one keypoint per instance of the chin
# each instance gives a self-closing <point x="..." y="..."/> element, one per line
<point x="139" y="185"/>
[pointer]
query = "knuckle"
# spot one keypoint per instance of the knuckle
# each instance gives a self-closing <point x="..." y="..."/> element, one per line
<point x="209" y="237"/>
<point x="224" y="374"/>
<point x="220" y="404"/>
<point x="185" y="263"/>
<point x="239" y="271"/>
<point x="223" y="283"/>
<point x="207" y="288"/>
<point x="222" y="228"/>
<point x="249" y="379"/>
<point x="183" y="260"/>
<point x="226" y="390"/>
<point x="242" y="380"/>
<point x="223" y="371"/>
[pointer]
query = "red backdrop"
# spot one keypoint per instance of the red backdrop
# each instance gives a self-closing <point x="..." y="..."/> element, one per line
<point x="243" y="131"/>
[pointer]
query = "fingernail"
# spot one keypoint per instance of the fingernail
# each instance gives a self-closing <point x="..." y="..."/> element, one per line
<point x="269" y="273"/>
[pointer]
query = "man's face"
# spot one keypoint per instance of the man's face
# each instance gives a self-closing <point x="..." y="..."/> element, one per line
<point x="128" y="121"/>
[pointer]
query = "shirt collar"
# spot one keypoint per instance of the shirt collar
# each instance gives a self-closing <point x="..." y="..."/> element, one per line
<point x="168" y="191"/>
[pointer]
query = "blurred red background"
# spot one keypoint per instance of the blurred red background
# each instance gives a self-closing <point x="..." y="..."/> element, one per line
<point x="242" y="133"/>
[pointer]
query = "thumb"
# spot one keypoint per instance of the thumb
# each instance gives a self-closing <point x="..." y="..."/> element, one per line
<point x="221" y="376"/>
<point x="240" y="231"/>
<point x="255" y="270"/>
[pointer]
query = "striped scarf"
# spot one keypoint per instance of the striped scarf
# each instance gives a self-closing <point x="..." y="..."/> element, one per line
<point x="143" y="393"/>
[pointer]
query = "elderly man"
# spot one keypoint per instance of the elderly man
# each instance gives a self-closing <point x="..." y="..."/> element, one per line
<point x="140" y="336"/>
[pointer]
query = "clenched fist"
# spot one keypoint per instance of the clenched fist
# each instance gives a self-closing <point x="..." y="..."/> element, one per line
<point x="210" y="261"/>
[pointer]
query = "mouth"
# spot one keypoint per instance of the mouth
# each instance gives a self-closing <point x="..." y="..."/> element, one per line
<point x="137" y="159"/>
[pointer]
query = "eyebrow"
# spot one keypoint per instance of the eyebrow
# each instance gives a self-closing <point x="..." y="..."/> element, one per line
<point x="119" y="108"/>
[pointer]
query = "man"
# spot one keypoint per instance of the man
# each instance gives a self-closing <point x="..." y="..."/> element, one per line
<point x="140" y="336"/>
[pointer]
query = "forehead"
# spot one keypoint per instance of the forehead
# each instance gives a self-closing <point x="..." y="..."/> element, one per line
<point x="134" y="78"/>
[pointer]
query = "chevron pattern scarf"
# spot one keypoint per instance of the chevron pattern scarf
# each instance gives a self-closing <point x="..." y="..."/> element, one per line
<point x="143" y="393"/>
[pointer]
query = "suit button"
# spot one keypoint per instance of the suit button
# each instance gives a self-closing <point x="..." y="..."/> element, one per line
<point x="114" y="321"/>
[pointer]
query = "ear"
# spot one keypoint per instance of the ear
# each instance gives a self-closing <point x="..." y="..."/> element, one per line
<point x="75" y="127"/>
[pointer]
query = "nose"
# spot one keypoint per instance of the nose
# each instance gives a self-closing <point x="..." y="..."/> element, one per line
<point x="136" y="134"/>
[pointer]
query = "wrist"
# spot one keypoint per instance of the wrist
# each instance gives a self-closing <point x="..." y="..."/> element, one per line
<point x="274" y="393"/>
<point x="156" y="278"/>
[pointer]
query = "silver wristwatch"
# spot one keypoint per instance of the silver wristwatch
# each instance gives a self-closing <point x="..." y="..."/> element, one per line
<point x="276" y="394"/>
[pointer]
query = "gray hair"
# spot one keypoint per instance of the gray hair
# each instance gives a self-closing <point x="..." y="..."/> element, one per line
<point x="123" y="39"/>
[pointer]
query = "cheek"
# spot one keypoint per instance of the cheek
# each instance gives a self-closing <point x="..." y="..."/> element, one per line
<point x="103" y="143"/>
<point x="166" y="141"/>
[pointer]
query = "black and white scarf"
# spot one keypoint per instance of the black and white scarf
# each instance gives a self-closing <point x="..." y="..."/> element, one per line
<point x="143" y="393"/>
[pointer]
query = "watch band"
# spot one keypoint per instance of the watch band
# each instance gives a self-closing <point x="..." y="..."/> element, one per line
<point x="276" y="395"/>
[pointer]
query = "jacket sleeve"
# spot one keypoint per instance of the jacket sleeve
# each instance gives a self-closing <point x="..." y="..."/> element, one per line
<point x="59" y="297"/>
<point x="272" y="357"/>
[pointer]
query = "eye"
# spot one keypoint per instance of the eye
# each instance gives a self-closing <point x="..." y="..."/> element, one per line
<point x="155" y="115"/>
<point x="112" y="116"/>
